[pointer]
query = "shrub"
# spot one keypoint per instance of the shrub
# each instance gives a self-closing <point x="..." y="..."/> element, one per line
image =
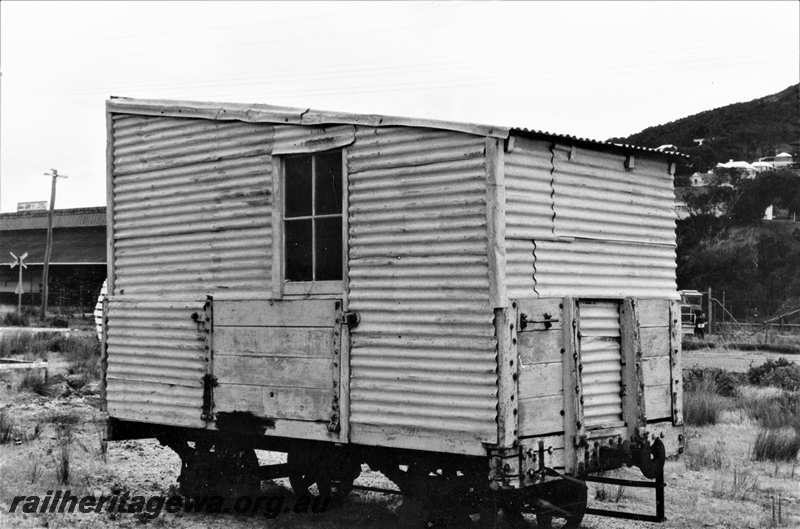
<point x="14" y="319"/>
<point x="81" y="352"/>
<point x="34" y="345"/>
<point x="33" y="383"/>
<point x="713" y="380"/>
<point x="702" y="407"/>
<point x="774" y="411"/>
<point x="741" y="486"/>
<point x="779" y="373"/>
<point x="6" y="429"/>
<point x="57" y="321"/>
<point x="83" y="355"/>
<point x="776" y="444"/>
<point x="64" y="423"/>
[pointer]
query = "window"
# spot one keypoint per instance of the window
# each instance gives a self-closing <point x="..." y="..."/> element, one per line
<point x="312" y="217"/>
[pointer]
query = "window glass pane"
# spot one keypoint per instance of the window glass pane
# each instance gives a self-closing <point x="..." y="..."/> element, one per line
<point x="329" y="183"/>
<point x="298" y="250"/>
<point x="329" y="248"/>
<point x="298" y="186"/>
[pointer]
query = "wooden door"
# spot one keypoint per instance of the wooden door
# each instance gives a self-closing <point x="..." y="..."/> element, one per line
<point x="278" y="359"/>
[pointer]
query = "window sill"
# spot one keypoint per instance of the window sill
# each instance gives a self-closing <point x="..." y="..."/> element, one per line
<point x="295" y="288"/>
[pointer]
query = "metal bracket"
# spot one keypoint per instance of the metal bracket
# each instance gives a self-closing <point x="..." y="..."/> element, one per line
<point x="351" y="319"/>
<point x="205" y="327"/>
<point x="658" y="484"/>
<point x="209" y="383"/>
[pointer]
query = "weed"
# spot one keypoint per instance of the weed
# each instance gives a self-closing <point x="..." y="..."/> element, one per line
<point x="83" y="355"/>
<point x="6" y="428"/>
<point x="779" y="373"/>
<point x="33" y="345"/>
<point x="15" y="319"/>
<point x="33" y="383"/>
<point x="701" y="406"/>
<point x="64" y="438"/>
<point x="601" y="493"/>
<point x="618" y="495"/>
<point x="773" y="410"/>
<point x="57" y="321"/>
<point x="701" y="457"/>
<point x="103" y="440"/>
<point x="741" y="487"/>
<point x="713" y="380"/>
<point x="776" y="444"/>
<point x="35" y="469"/>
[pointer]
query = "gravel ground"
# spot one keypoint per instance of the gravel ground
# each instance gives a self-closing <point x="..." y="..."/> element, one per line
<point x="698" y="494"/>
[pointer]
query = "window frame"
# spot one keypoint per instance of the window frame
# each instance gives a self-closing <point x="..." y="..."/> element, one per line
<point x="282" y="287"/>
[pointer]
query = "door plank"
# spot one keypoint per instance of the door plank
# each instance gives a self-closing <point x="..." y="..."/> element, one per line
<point x="276" y="313"/>
<point x="274" y="341"/>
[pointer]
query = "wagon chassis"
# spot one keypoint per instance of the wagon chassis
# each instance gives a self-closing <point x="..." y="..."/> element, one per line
<point x="439" y="488"/>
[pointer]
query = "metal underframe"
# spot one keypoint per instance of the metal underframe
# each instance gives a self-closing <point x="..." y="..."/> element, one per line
<point x="658" y="484"/>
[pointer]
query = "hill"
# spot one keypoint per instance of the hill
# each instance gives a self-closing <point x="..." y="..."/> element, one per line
<point x="741" y="131"/>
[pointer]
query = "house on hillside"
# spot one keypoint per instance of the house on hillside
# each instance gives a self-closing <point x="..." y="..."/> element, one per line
<point x="783" y="159"/>
<point x="741" y="168"/>
<point x="699" y="179"/>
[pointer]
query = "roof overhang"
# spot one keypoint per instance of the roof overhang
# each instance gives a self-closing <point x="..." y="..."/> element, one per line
<point x="259" y="113"/>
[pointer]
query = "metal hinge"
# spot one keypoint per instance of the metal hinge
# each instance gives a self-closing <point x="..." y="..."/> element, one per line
<point x="209" y="383"/>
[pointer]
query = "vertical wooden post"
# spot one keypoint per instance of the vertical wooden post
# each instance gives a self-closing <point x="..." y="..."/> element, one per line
<point x="676" y="372"/>
<point x="505" y="321"/>
<point x="573" y="394"/>
<point x="633" y="411"/>
<point x="495" y="221"/>
<point x="48" y="247"/>
<point x="709" y="313"/>
<point x="19" y="289"/>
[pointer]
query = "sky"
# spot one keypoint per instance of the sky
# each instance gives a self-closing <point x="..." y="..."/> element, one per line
<point x="590" y="69"/>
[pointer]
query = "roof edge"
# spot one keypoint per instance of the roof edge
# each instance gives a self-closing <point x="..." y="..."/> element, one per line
<point x="607" y="146"/>
<point x="259" y="113"/>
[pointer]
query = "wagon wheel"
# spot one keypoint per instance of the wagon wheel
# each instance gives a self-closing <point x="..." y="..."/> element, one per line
<point x="564" y="499"/>
<point x="436" y="497"/>
<point x="219" y="469"/>
<point x="332" y="471"/>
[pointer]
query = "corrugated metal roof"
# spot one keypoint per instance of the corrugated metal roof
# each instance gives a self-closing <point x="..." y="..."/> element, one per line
<point x="595" y="144"/>
<point x="256" y="113"/>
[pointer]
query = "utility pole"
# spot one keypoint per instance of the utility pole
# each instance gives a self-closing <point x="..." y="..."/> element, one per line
<point x="710" y="309"/>
<point x="20" y="262"/>
<point x="48" y="248"/>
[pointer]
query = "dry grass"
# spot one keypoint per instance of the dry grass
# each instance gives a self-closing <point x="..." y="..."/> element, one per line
<point x="742" y="485"/>
<point x="34" y="384"/>
<point x="776" y="444"/>
<point x="702" y="405"/>
<point x="699" y="456"/>
<point x="601" y="493"/>
<point x="65" y="424"/>
<point x="6" y="428"/>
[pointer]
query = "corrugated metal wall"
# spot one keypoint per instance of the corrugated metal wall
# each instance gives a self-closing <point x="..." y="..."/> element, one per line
<point x="580" y="224"/>
<point x="601" y="363"/>
<point x="191" y="207"/>
<point x="192" y="216"/>
<point x="156" y="362"/>
<point x="423" y="357"/>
